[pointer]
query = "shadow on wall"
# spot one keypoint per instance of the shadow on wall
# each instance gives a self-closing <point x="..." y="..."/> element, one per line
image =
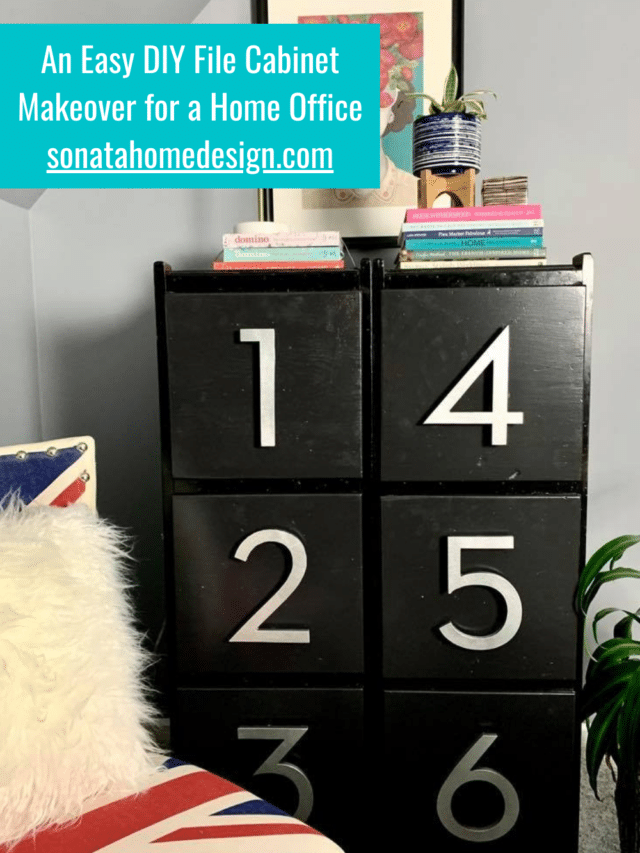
<point x="108" y="388"/>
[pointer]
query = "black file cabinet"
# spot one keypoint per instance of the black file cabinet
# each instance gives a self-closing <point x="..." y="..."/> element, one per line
<point x="375" y="496"/>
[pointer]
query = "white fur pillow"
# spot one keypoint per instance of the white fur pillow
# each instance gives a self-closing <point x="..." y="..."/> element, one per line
<point x="73" y="714"/>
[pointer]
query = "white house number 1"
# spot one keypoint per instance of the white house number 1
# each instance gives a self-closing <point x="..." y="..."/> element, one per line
<point x="266" y="340"/>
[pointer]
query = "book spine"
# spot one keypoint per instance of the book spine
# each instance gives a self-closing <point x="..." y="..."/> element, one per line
<point x="469" y="225"/>
<point x="475" y="243"/>
<point x="471" y="233"/>
<point x="485" y="262"/>
<point x="278" y="265"/>
<point x="282" y="239"/>
<point x="473" y="253"/>
<point x="491" y="211"/>
<point x="296" y="253"/>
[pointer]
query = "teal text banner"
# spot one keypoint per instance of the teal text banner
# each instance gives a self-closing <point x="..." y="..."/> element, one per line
<point x="181" y="105"/>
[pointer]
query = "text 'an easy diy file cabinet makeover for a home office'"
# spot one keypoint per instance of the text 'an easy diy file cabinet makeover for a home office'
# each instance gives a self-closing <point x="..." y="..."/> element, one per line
<point x="374" y="490"/>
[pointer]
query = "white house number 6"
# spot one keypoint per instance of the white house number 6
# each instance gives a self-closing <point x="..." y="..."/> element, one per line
<point x="465" y="771"/>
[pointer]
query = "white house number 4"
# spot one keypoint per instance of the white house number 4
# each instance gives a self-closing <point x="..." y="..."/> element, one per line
<point x="499" y="418"/>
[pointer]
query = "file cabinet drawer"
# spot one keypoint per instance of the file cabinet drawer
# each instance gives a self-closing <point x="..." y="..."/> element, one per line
<point x="268" y="584"/>
<point x="481" y="587"/>
<point x="483" y="383"/>
<point x="300" y="749"/>
<point x="496" y="770"/>
<point x="265" y="384"/>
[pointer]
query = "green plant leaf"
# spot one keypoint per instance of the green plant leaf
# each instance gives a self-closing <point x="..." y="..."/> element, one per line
<point x="601" y="615"/>
<point x="602" y="735"/>
<point x="450" y="86"/>
<point x="607" y="577"/>
<point x="479" y="92"/>
<point x="624" y="628"/>
<point x="611" y="550"/>
<point x="628" y="727"/>
<point x="600" y="690"/>
<point x="475" y="107"/>
<point x="455" y="106"/>
<point x="611" y="653"/>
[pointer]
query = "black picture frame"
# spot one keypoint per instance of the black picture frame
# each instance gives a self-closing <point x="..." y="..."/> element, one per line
<point x="363" y="242"/>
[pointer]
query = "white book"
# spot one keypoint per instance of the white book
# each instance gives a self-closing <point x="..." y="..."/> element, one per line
<point x="473" y="225"/>
<point x="484" y="262"/>
<point x="282" y="239"/>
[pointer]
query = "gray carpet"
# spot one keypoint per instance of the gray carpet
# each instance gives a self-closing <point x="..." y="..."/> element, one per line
<point x="598" y="822"/>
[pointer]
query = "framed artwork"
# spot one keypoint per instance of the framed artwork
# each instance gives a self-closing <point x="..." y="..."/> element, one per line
<point x="419" y="39"/>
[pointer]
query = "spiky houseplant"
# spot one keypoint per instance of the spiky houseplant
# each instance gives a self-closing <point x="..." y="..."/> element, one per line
<point x="447" y="140"/>
<point x="610" y="699"/>
<point x="471" y="104"/>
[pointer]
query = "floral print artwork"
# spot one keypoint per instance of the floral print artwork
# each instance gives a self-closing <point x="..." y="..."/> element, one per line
<point x="401" y="67"/>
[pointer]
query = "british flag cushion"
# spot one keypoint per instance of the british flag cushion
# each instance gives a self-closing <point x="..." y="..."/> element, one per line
<point x="186" y="810"/>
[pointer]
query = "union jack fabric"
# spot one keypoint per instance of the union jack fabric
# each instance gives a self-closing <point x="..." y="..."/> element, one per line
<point x="186" y="810"/>
<point x="57" y="472"/>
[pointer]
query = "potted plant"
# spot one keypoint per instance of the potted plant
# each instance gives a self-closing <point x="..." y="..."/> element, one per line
<point x="447" y="140"/>
<point x="610" y="698"/>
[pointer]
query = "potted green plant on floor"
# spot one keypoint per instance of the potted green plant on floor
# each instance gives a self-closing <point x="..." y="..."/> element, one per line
<point x="610" y="699"/>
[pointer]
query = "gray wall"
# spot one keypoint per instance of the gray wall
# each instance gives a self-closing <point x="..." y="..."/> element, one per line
<point x="19" y="386"/>
<point x="559" y="70"/>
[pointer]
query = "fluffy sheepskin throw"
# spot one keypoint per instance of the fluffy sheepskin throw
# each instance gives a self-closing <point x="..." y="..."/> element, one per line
<point x="73" y="715"/>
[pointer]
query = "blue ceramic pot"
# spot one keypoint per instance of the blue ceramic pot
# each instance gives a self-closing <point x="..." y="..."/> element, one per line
<point x="446" y="143"/>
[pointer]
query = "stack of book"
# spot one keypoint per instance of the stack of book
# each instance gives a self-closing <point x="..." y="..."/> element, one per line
<point x="510" y="190"/>
<point x="503" y="235"/>
<point x="284" y="250"/>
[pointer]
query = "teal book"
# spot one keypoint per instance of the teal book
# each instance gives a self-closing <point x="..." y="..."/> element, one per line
<point x="430" y="245"/>
<point x="269" y="254"/>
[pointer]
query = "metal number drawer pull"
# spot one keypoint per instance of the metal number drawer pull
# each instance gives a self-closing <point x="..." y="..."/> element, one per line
<point x="252" y="631"/>
<point x="499" y="418"/>
<point x="266" y="340"/>
<point x="464" y="772"/>
<point x="274" y="764"/>
<point x="456" y="580"/>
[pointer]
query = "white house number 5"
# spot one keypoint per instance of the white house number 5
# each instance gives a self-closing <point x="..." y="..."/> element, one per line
<point x="456" y="580"/>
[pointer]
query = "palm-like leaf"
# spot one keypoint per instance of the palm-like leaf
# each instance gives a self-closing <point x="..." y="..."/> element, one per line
<point x="601" y="738"/>
<point x="628" y="725"/>
<point x="609" y="553"/>
<point x="602" y="688"/>
<point x="611" y="694"/>
<point x="599" y="616"/>
<point x="624" y="628"/>
<point x="604" y="577"/>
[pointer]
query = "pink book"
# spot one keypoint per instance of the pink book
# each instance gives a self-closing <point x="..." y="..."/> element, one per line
<point x="474" y="214"/>
<point x="278" y="265"/>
